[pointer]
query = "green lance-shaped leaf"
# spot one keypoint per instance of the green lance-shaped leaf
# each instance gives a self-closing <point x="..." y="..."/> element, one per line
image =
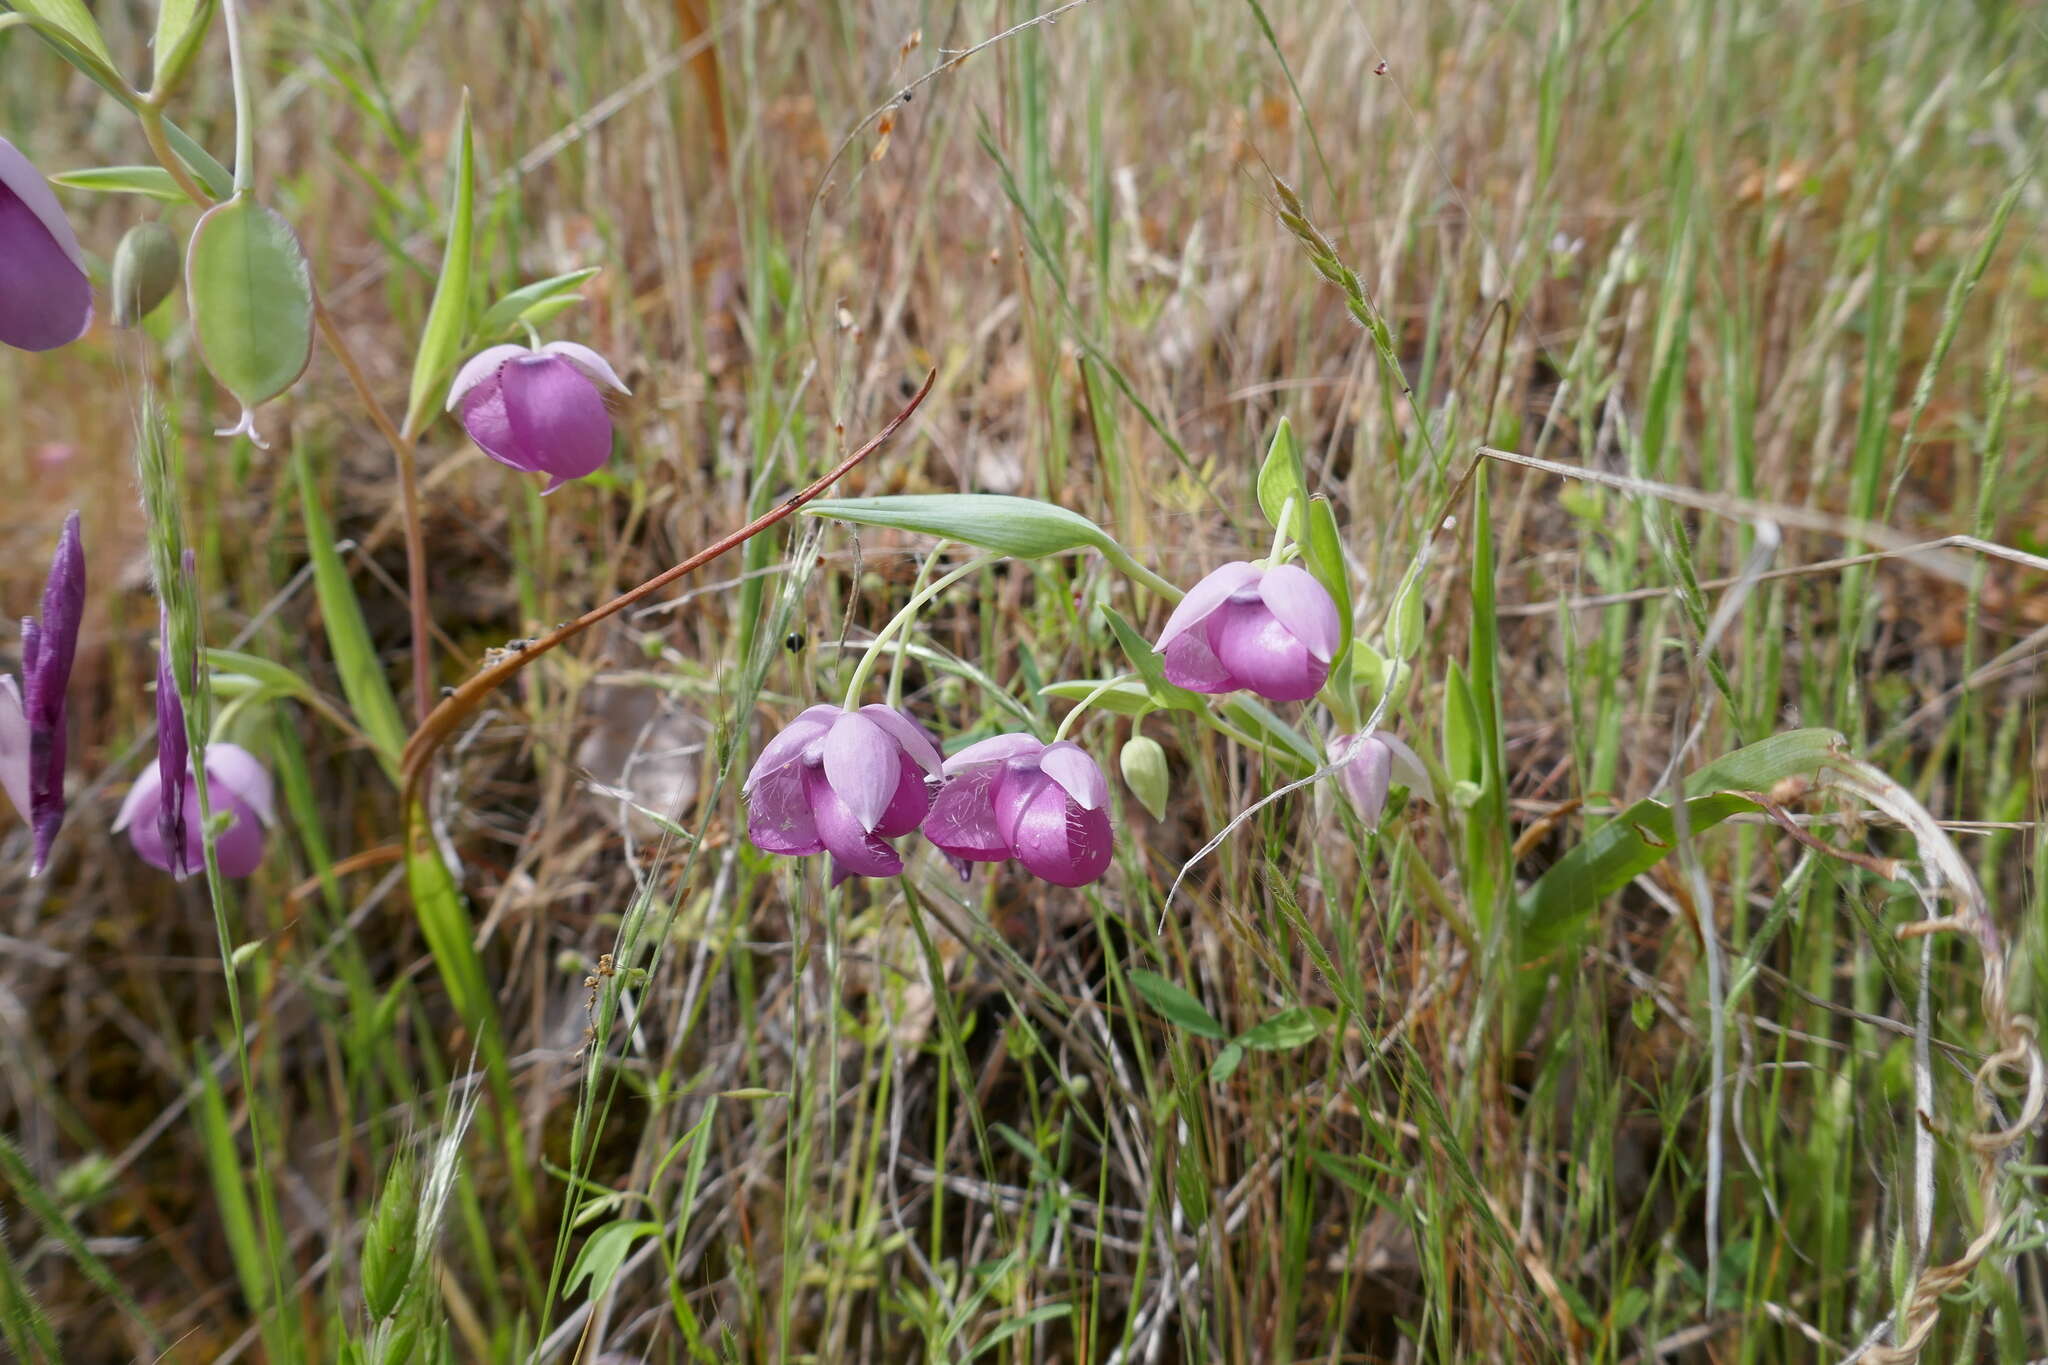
<point x="1021" y="527"/>
<point x="1291" y="1028"/>
<point x="441" y="339"/>
<point x="74" y="21"/>
<point x="503" y="316"/>
<point x="180" y="28"/>
<point x="154" y="182"/>
<point x="605" y="1252"/>
<point x="1177" y="1004"/>
<point x="1283" y="481"/>
<point x="251" y="294"/>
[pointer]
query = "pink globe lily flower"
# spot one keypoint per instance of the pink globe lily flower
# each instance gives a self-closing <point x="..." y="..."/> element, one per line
<point x="45" y="297"/>
<point x="1243" y="628"/>
<point x="538" y="411"/>
<point x="841" y="782"/>
<point x="32" y="714"/>
<point x="1372" y="764"/>
<point x="1046" y="805"/>
<point x="158" y="807"/>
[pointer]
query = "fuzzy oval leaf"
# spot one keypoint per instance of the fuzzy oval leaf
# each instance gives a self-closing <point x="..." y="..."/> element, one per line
<point x="180" y="27"/>
<point x="1291" y="1028"/>
<point x="151" y="181"/>
<point x="502" y="316"/>
<point x="605" y="1252"/>
<point x="441" y="338"/>
<point x="1023" y="528"/>
<point x="1175" y="1004"/>
<point x="251" y="294"/>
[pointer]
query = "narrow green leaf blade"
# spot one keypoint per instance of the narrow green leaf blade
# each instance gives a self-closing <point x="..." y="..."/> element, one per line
<point x="180" y="27"/>
<point x="76" y="22"/>
<point x="251" y="294"/>
<point x="363" y="681"/>
<point x="501" y="317"/>
<point x="1021" y="527"/>
<point x="1291" y="1028"/>
<point x="441" y="339"/>
<point x="153" y="182"/>
<point x="1176" y="1004"/>
<point x="605" y="1252"/>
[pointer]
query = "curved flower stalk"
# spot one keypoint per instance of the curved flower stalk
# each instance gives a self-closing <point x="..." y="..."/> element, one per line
<point x="1272" y="631"/>
<point x="538" y="409"/>
<point x="157" y="808"/>
<point x="1046" y="805"/>
<point x="842" y="781"/>
<point x="32" y="713"/>
<point x="45" y="297"/>
<point x="1372" y="764"/>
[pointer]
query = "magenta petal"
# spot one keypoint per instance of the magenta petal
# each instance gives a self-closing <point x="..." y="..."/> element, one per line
<point x="556" y="416"/>
<point x="172" y="753"/>
<point x="594" y="366"/>
<point x="962" y="822"/>
<point x="863" y="766"/>
<point x="1068" y="764"/>
<point x="996" y="749"/>
<point x="808" y="726"/>
<point x="239" y="848"/>
<point x="778" y="815"/>
<point x="13" y="745"/>
<point x="1202" y="599"/>
<point x="45" y="297"/>
<point x="1365" y="776"/>
<point x="484" y="365"/>
<point x="1018" y="783"/>
<point x="1303" y="605"/>
<point x="908" y="806"/>
<point x="1059" y="842"/>
<point x="490" y="426"/>
<point x="1190" y="663"/>
<point x="1407" y="768"/>
<point x="239" y="775"/>
<point x="1264" y="656"/>
<point x="844" y="836"/>
<point x="908" y="734"/>
<point x="138" y="816"/>
<point x="48" y="647"/>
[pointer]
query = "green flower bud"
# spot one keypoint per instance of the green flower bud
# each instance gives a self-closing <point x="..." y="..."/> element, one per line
<point x="389" y="1239"/>
<point x="145" y="270"/>
<point x="1144" y="766"/>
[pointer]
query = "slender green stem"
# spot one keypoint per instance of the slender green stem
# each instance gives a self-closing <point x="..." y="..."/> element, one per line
<point x="160" y="147"/>
<point x="1280" y="531"/>
<point x="1138" y="573"/>
<point x="1080" y="707"/>
<point x="245" y="116"/>
<point x="931" y="561"/>
<point x="866" y="667"/>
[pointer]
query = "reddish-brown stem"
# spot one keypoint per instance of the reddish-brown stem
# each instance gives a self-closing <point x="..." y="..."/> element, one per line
<point x="435" y="729"/>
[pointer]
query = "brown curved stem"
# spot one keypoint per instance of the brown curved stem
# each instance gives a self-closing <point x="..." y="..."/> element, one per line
<point x="435" y="729"/>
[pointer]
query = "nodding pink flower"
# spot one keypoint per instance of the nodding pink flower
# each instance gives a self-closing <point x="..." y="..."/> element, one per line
<point x="159" y="812"/>
<point x="45" y="297"/>
<point x="1046" y="805"/>
<point x="32" y="713"/>
<point x="841" y="782"/>
<point x="1270" y="631"/>
<point x="1372" y="764"/>
<point x="538" y="411"/>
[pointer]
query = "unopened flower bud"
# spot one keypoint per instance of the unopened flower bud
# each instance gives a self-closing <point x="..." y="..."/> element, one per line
<point x="145" y="271"/>
<point x="1144" y="766"/>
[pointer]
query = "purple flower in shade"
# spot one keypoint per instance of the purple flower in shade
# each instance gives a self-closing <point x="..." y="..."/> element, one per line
<point x="45" y="297"/>
<point x="1372" y="764"/>
<point x="1269" y="631"/>
<point x="32" y="713"/>
<point x="157" y="812"/>
<point x="841" y="782"/>
<point x="538" y="411"/>
<point x="1046" y="805"/>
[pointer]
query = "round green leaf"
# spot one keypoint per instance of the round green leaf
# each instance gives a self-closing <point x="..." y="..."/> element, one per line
<point x="251" y="294"/>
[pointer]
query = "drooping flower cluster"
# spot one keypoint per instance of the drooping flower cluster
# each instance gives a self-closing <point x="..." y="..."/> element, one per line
<point x="842" y="782"/>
